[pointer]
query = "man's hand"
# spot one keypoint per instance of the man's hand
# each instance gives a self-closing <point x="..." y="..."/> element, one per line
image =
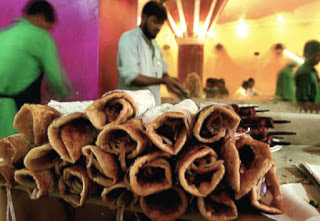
<point x="174" y="85"/>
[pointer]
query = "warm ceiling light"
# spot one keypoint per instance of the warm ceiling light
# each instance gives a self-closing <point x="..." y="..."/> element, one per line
<point x="174" y="26"/>
<point x="196" y="16"/>
<point x="242" y="28"/>
<point x="181" y="15"/>
<point x="280" y="19"/>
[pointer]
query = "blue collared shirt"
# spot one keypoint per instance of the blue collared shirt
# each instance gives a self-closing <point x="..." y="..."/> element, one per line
<point x="136" y="56"/>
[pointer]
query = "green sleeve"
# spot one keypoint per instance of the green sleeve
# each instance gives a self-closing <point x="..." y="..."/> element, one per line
<point x="285" y="85"/>
<point x="53" y="68"/>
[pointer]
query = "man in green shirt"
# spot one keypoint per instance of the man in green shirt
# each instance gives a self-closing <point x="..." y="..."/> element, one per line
<point x="285" y="90"/>
<point x="27" y="52"/>
<point x="306" y="78"/>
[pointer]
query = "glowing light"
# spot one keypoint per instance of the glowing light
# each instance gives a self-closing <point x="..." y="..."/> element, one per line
<point x="181" y="15"/>
<point x="196" y="16"/>
<point x="242" y="28"/>
<point x="204" y="28"/>
<point x="139" y="20"/>
<point x="174" y="27"/>
<point x="293" y="56"/>
<point x="280" y="19"/>
<point x="211" y="34"/>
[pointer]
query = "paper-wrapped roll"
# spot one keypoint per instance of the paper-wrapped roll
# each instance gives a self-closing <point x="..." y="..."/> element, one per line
<point x="230" y="156"/>
<point x="74" y="185"/>
<point x="33" y="121"/>
<point x="101" y="166"/>
<point x="199" y="170"/>
<point x="15" y="147"/>
<point x="41" y="158"/>
<point x="171" y="130"/>
<point x="38" y="183"/>
<point x="217" y="206"/>
<point x="69" y="134"/>
<point x="265" y="194"/>
<point x="150" y="174"/>
<point x="7" y="174"/>
<point x="213" y="121"/>
<point x="119" y="106"/>
<point x="119" y="195"/>
<point x="256" y="160"/>
<point x="168" y="205"/>
<point x="127" y="140"/>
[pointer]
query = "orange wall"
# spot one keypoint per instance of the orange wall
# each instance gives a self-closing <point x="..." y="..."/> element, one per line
<point x="116" y="17"/>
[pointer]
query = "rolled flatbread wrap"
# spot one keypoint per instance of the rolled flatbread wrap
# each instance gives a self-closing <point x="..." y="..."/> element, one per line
<point x="150" y="173"/>
<point x="119" y="106"/>
<point x="126" y="140"/>
<point x="33" y="121"/>
<point x="200" y="170"/>
<point x="69" y="134"/>
<point x="265" y="194"/>
<point x="217" y="206"/>
<point x="230" y="156"/>
<point x="171" y="130"/>
<point x="256" y="160"/>
<point x="37" y="183"/>
<point x="166" y="205"/>
<point x="213" y="121"/>
<point x="7" y="174"/>
<point x="75" y="185"/>
<point x="15" y="147"/>
<point x="41" y="158"/>
<point x="102" y="167"/>
<point x="119" y="195"/>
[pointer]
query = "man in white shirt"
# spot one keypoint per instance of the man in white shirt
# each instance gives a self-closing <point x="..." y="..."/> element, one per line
<point x="140" y="60"/>
<point x="251" y="90"/>
<point x="242" y="91"/>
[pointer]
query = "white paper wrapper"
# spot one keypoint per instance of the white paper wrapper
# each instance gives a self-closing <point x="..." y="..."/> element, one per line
<point x="155" y="112"/>
<point x="143" y="98"/>
<point x="70" y="107"/>
<point x="296" y="204"/>
<point x="187" y="106"/>
<point x="203" y="105"/>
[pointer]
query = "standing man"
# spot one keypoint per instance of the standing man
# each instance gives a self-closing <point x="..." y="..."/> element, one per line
<point x="285" y="90"/>
<point x="306" y="78"/>
<point x="27" y="53"/>
<point x="140" y="60"/>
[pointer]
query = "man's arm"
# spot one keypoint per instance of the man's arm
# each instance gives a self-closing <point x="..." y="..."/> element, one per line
<point x="172" y="84"/>
<point x="54" y="70"/>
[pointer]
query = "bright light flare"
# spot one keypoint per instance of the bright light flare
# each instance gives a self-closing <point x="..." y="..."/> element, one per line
<point x="139" y="20"/>
<point x="280" y="19"/>
<point x="242" y="28"/>
<point x="293" y="56"/>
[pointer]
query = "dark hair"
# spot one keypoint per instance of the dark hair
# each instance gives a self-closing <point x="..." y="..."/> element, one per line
<point x="40" y="7"/>
<point x="310" y="48"/>
<point x="279" y="46"/>
<point x="153" y="8"/>
<point x="245" y="84"/>
<point x="251" y="80"/>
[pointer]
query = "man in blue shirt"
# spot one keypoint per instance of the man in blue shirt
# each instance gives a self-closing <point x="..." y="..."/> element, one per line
<point x="140" y="60"/>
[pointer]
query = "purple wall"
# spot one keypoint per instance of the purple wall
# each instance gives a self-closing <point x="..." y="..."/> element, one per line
<point x="76" y="35"/>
